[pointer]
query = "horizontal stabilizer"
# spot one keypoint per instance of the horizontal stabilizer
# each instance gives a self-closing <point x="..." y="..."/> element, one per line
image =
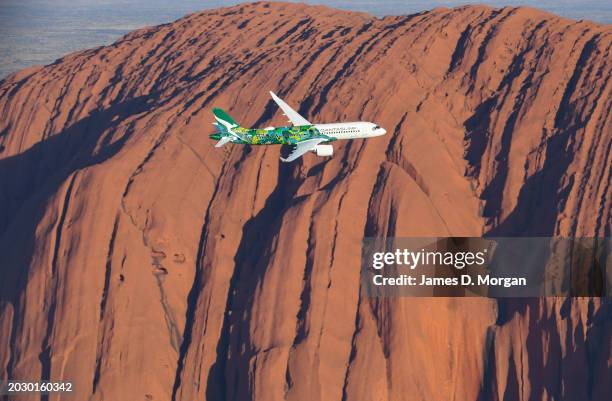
<point x="223" y="141"/>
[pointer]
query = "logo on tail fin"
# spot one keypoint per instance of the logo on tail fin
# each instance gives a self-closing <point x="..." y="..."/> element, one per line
<point x="226" y="127"/>
<point x="224" y="119"/>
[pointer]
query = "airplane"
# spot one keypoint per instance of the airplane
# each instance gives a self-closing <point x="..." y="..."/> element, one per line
<point x="303" y="135"/>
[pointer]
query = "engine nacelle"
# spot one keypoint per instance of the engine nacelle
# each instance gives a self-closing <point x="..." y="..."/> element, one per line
<point x="324" y="150"/>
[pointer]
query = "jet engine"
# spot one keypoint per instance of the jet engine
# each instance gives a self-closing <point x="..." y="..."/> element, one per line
<point x="324" y="150"/>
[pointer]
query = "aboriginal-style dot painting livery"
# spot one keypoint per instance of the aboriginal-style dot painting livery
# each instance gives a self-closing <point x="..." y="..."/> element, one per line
<point x="272" y="136"/>
<point x="303" y="135"/>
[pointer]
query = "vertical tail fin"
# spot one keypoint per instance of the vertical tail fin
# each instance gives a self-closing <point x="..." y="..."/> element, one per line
<point x="223" y="118"/>
<point x="227" y="126"/>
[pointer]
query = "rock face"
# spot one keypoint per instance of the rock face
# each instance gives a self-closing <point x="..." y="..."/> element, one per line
<point x="140" y="262"/>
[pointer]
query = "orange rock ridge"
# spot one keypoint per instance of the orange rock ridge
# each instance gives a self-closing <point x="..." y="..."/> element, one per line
<point x="140" y="262"/>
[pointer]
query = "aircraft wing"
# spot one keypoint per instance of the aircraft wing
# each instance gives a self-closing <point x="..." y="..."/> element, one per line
<point x="303" y="147"/>
<point x="293" y="115"/>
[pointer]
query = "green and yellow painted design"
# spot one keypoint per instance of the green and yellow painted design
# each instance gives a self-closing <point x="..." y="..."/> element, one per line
<point x="257" y="136"/>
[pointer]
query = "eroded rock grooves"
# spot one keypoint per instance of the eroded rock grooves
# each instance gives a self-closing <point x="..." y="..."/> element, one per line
<point x="140" y="262"/>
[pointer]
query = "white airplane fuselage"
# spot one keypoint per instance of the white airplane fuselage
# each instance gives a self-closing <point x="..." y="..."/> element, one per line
<point x="353" y="130"/>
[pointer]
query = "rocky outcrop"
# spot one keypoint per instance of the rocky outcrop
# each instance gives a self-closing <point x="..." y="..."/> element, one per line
<point x="141" y="262"/>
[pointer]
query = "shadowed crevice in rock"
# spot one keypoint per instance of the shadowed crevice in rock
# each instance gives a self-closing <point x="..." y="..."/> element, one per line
<point x="226" y="377"/>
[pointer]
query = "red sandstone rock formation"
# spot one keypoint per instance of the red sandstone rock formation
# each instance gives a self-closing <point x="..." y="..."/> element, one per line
<point x="140" y="262"/>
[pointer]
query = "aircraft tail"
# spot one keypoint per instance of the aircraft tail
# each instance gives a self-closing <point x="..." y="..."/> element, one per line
<point x="224" y="119"/>
<point x="226" y="128"/>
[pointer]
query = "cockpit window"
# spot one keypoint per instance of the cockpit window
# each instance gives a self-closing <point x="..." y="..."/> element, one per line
<point x="375" y="128"/>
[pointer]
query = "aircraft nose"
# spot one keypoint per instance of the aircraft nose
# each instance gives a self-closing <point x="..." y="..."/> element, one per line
<point x="382" y="131"/>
